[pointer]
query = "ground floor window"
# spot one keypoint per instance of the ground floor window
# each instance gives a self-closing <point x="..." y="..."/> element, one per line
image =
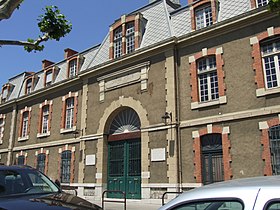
<point x="65" y="166"/>
<point x="274" y="138"/>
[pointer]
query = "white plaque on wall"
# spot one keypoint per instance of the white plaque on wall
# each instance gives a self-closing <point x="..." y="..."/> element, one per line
<point x="158" y="154"/>
<point x="90" y="160"/>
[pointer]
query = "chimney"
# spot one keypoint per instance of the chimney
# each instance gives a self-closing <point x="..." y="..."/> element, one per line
<point x="46" y="63"/>
<point x="69" y="52"/>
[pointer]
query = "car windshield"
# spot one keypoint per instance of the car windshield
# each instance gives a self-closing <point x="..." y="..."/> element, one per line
<point x="24" y="181"/>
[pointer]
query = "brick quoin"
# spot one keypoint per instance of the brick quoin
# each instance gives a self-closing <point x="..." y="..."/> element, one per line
<point x="226" y="153"/>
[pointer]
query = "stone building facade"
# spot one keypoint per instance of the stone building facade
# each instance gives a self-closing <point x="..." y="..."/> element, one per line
<point x="172" y="99"/>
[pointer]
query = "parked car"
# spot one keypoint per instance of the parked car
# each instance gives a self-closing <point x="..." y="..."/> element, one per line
<point x="240" y="194"/>
<point x="25" y="188"/>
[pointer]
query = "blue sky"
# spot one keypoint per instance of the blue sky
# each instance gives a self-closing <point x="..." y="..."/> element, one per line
<point x="90" y="18"/>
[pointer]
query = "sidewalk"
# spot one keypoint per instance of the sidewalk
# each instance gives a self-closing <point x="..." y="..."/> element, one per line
<point x="152" y="204"/>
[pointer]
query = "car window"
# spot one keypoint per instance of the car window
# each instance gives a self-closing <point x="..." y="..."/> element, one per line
<point x="211" y="205"/>
<point x="274" y="206"/>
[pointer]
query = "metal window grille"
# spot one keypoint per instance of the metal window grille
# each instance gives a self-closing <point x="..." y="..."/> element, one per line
<point x="25" y="124"/>
<point x="271" y="63"/>
<point x="212" y="158"/>
<point x="274" y="137"/>
<point x="65" y="166"/>
<point x="45" y="119"/>
<point x="130" y="39"/>
<point x="208" y="79"/>
<point x="118" y="42"/>
<point x="203" y="17"/>
<point x="21" y="159"/>
<point x="41" y="158"/>
<point x="262" y="2"/>
<point x="69" y="113"/>
<point x="73" y="68"/>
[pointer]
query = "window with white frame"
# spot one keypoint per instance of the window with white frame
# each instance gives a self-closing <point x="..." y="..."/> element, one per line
<point x="207" y="79"/>
<point x="262" y="2"/>
<point x="203" y="16"/>
<point x="28" y="86"/>
<point x="270" y="51"/>
<point x="45" y="119"/>
<point x="118" y="42"/>
<point x="69" y="115"/>
<point x="25" y="121"/>
<point x="130" y="39"/>
<point x="4" y="94"/>
<point x="49" y="78"/>
<point x="73" y="68"/>
<point x="2" y="123"/>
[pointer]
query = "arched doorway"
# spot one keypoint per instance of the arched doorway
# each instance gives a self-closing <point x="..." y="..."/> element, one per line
<point x="124" y="154"/>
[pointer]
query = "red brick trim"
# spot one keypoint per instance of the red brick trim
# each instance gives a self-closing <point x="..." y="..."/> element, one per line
<point x="266" y="154"/>
<point x="194" y="75"/>
<point x="257" y="58"/>
<point x="137" y="37"/>
<point x="72" y="167"/>
<point x="63" y="114"/>
<point x="214" y="8"/>
<point x="226" y="153"/>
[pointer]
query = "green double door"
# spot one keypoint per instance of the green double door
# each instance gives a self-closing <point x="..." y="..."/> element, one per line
<point x="124" y="168"/>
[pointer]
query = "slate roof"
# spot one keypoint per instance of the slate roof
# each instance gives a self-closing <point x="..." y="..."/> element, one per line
<point x="163" y="22"/>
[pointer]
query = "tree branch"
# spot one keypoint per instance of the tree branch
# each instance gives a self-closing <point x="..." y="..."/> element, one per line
<point x="7" y="8"/>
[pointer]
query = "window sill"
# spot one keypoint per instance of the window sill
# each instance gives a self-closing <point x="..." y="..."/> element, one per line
<point x="68" y="130"/>
<point x="43" y="135"/>
<point x="198" y="105"/>
<point x="23" y="138"/>
<point x="264" y="92"/>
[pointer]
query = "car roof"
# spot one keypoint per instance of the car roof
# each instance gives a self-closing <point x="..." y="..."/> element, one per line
<point x="238" y="188"/>
<point x="15" y="167"/>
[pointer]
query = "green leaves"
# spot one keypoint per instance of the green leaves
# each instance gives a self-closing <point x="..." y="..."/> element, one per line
<point x="274" y="5"/>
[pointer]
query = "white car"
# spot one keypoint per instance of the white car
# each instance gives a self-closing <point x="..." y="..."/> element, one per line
<point x="241" y="194"/>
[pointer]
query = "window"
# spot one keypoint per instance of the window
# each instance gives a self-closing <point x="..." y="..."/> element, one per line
<point x="208" y="79"/>
<point x="49" y="77"/>
<point x="65" y="166"/>
<point x="262" y="2"/>
<point x="25" y="121"/>
<point x="118" y="42"/>
<point x="21" y="160"/>
<point x="274" y="138"/>
<point x="41" y="158"/>
<point x="212" y="204"/>
<point x="203" y="16"/>
<point x="69" y="113"/>
<point x="45" y="119"/>
<point x="73" y="68"/>
<point x="28" y="86"/>
<point x="271" y="61"/>
<point x="130" y="39"/>
<point x="4" y="94"/>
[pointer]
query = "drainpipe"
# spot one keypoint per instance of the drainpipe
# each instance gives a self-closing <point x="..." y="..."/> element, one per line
<point x="177" y="126"/>
<point x="12" y="135"/>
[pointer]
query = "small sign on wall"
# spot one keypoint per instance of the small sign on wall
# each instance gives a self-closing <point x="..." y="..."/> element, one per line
<point x="90" y="160"/>
<point x="158" y="154"/>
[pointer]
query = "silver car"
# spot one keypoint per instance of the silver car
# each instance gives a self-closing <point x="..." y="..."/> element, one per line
<point x="240" y="194"/>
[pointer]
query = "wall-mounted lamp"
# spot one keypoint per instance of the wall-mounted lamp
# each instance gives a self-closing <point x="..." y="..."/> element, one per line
<point x="77" y="132"/>
<point x="166" y="116"/>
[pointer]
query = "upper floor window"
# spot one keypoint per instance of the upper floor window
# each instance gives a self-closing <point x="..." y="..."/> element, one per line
<point x="4" y="94"/>
<point x="118" y="42"/>
<point x="270" y="52"/>
<point x="29" y="85"/>
<point x="73" y="68"/>
<point x="130" y="39"/>
<point x="45" y="119"/>
<point x="24" y="128"/>
<point x="262" y="2"/>
<point x="49" y="77"/>
<point x="25" y="118"/>
<point x="207" y="79"/>
<point x="69" y="113"/>
<point x="2" y="123"/>
<point x="203" y="16"/>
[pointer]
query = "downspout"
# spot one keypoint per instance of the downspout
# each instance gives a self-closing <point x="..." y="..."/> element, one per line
<point x="12" y="135"/>
<point x="177" y="126"/>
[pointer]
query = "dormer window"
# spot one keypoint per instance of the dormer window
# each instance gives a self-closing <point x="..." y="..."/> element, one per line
<point x="5" y="92"/>
<point x="49" y="78"/>
<point x="29" y="85"/>
<point x="203" y="16"/>
<point x="126" y="35"/>
<point x="73" y="68"/>
<point x="261" y="3"/>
